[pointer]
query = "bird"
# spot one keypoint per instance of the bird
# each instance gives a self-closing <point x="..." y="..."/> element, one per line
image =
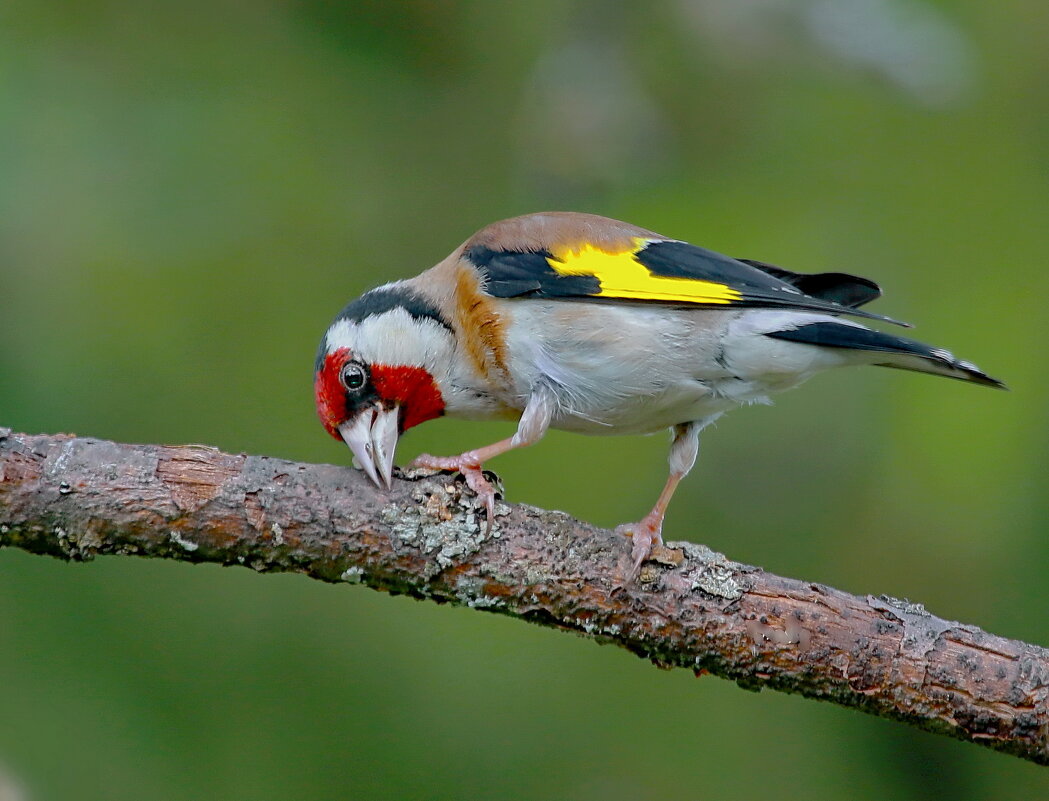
<point x="582" y="323"/>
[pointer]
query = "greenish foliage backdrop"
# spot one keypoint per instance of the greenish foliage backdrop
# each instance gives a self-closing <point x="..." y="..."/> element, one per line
<point x="190" y="191"/>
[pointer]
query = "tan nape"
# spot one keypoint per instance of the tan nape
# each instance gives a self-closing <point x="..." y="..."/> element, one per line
<point x="559" y="230"/>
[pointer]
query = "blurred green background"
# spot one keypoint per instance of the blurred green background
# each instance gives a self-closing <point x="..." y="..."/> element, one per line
<point x="190" y="191"/>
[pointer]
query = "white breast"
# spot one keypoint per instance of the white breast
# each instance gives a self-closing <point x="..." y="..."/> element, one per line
<point x="636" y="369"/>
<point x="614" y="369"/>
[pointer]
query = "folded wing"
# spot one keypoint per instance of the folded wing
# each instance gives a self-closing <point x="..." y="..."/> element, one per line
<point x="666" y="272"/>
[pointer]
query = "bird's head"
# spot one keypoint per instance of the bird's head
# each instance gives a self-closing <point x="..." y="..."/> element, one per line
<point x="375" y="374"/>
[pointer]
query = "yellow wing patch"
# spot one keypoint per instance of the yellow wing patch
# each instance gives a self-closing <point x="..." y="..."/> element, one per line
<point x="623" y="276"/>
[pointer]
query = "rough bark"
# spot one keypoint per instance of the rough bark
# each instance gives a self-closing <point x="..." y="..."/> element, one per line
<point x="74" y="498"/>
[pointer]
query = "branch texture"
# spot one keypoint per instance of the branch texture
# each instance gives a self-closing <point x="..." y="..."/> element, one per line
<point x="74" y="498"/>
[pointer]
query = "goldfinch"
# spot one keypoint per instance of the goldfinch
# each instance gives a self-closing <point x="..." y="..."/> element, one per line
<point x="583" y="323"/>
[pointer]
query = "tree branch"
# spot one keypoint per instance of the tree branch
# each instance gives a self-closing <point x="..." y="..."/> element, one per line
<point x="73" y="498"/>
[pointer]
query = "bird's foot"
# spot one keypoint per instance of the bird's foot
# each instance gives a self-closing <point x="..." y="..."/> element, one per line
<point x="647" y="533"/>
<point x="470" y="468"/>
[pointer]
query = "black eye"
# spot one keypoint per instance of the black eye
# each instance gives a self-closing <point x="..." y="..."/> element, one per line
<point x="353" y="377"/>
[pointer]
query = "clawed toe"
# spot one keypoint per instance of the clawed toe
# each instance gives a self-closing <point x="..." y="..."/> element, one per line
<point x="645" y="534"/>
<point x="474" y="475"/>
<point x="428" y="462"/>
<point x="484" y="491"/>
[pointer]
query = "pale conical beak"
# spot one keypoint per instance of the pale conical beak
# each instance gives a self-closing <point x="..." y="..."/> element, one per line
<point x="372" y="436"/>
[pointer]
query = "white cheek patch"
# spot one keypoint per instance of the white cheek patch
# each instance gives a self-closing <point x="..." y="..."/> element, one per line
<point x="394" y="338"/>
<point x="342" y="334"/>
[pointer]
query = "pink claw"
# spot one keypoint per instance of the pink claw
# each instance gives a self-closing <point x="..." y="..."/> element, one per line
<point x="646" y="534"/>
<point x="473" y="474"/>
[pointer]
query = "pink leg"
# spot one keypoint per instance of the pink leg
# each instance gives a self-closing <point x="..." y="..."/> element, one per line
<point x="648" y="532"/>
<point x="534" y="421"/>
<point x="469" y="464"/>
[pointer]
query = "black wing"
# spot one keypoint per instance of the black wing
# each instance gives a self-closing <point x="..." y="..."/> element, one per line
<point x="667" y="272"/>
<point x="848" y="290"/>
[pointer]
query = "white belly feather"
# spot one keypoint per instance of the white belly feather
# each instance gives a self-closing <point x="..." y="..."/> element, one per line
<point x="616" y="369"/>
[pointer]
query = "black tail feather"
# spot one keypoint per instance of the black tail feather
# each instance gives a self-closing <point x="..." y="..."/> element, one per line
<point x="911" y="354"/>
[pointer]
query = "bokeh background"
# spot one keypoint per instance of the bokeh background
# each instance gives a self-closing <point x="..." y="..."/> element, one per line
<point x="189" y="192"/>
